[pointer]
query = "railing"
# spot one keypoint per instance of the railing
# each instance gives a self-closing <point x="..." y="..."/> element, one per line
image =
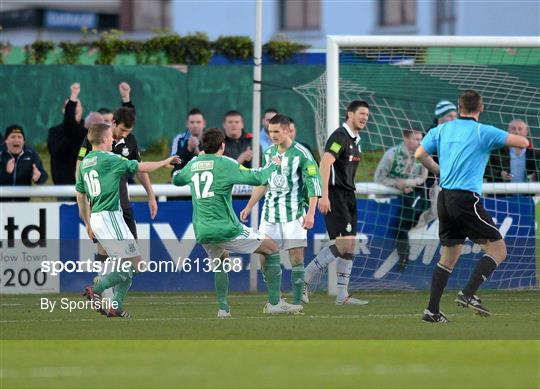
<point x="167" y="190"/>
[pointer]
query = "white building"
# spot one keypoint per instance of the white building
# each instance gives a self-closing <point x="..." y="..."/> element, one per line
<point x="309" y="21"/>
<point x="24" y="21"/>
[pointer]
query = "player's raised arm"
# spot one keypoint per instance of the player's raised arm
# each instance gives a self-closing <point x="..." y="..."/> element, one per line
<point x="148" y="167"/>
<point x="256" y="177"/>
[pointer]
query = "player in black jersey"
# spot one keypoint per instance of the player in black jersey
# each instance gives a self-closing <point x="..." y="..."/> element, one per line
<point x="338" y="202"/>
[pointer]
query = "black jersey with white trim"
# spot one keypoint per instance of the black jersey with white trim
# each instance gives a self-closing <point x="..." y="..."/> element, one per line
<point x="345" y="147"/>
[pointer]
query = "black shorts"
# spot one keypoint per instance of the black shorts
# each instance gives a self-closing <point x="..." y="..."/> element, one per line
<point x="461" y="216"/>
<point x="342" y="220"/>
<point x="127" y="213"/>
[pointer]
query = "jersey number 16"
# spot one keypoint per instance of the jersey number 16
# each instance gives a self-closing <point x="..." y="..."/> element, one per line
<point x="91" y="179"/>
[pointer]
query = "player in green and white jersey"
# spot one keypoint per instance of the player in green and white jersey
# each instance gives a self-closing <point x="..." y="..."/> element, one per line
<point x="211" y="177"/>
<point x="295" y="185"/>
<point x="98" y="199"/>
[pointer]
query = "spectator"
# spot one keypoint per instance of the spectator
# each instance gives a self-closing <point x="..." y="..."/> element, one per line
<point x="514" y="164"/>
<point x="445" y="111"/>
<point x="64" y="139"/>
<point x="237" y="143"/>
<point x="107" y="115"/>
<point x="398" y="168"/>
<point x="292" y="130"/>
<point x="186" y="145"/>
<point x="19" y="164"/>
<point x="264" y="139"/>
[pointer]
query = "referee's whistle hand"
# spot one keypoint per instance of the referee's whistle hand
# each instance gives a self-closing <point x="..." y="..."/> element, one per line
<point x="324" y="205"/>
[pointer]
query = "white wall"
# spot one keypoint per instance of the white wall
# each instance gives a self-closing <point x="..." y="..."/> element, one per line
<point x="516" y="17"/>
<point x="360" y="17"/>
<point x="218" y="17"/>
<point x="344" y="18"/>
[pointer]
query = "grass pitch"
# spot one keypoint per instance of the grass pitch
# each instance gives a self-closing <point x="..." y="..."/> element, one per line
<point x="175" y="340"/>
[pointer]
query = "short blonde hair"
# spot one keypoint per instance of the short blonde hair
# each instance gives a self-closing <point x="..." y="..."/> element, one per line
<point x="96" y="133"/>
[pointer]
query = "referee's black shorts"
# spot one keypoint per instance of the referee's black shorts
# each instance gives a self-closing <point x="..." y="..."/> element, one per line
<point x="461" y="216"/>
<point x="342" y="220"/>
<point x="127" y="213"/>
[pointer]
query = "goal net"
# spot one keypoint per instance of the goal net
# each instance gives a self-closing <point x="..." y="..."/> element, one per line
<point x="403" y="79"/>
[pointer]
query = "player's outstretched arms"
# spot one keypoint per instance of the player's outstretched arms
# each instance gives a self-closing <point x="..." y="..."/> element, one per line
<point x="255" y="177"/>
<point x="517" y="141"/>
<point x="148" y="167"/>
<point x="426" y="160"/>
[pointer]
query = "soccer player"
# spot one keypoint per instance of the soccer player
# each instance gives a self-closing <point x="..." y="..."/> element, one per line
<point x="338" y="202"/>
<point x="211" y="177"/>
<point x="292" y="187"/>
<point x="125" y="144"/>
<point x="97" y="182"/>
<point x="463" y="147"/>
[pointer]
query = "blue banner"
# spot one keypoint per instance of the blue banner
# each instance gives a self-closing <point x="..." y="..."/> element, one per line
<point x="170" y="234"/>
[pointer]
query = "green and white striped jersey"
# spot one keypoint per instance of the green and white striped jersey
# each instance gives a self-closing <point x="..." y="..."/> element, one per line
<point x="99" y="177"/>
<point x="291" y="185"/>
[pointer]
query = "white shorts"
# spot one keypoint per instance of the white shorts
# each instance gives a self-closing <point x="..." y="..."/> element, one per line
<point x="288" y="235"/>
<point x="113" y="234"/>
<point x="245" y="243"/>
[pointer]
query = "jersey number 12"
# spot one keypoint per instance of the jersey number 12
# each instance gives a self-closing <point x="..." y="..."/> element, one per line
<point x="198" y="179"/>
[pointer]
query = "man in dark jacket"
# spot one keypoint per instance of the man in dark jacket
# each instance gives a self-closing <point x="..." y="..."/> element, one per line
<point x="238" y="143"/>
<point x="186" y="145"/>
<point x="514" y="164"/>
<point x="65" y="138"/>
<point x="19" y="164"/>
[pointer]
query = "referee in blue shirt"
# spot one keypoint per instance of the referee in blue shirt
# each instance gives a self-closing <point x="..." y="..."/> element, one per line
<point x="463" y="147"/>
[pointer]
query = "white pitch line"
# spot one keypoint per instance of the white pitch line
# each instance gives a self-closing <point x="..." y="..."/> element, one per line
<point x="270" y="317"/>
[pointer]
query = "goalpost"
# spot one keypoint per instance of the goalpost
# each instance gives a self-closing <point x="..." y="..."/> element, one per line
<point x="402" y="78"/>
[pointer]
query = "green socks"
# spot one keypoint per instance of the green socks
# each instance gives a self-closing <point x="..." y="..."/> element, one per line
<point x="120" y="292"/>
<point x="272" y="275"/>
<point x="297" y="281"/>
<point x="221" y="283"/>
<point x="112" y="279"/>
<point x="121" y="281"/>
